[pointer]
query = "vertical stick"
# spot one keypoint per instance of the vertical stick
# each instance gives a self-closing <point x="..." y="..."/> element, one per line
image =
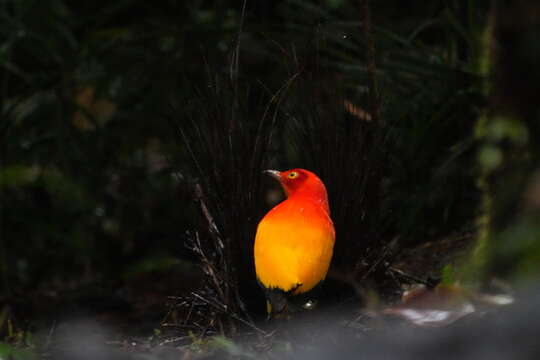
<point x="372" y="69"/>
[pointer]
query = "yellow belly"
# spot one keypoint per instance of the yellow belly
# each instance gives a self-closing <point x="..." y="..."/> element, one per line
<point x="293" y="247"/>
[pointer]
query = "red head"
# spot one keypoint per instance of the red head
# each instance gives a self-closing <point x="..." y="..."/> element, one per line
<point x="301" y="183"/>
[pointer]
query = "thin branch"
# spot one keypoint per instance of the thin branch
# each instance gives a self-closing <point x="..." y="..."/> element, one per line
<point x="209" y="218"/>
<point x="371" y="66"/>
<point x="223" y="308"/>
<point x="409" y="277"/>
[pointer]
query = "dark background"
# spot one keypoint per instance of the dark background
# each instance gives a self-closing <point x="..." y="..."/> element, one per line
<point x="114" y="114"/>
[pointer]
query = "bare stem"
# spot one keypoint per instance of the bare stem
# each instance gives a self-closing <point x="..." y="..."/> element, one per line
<point x="372" y="69"/>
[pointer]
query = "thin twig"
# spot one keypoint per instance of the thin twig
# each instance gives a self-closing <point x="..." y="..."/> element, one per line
<point x="168" y="341"/>
<point x="209" y="268"/>
<point x="371" y="66"/>
<point x="50" y="335"/>
<point x="410" y="277"/>
<point x="209" y="218"/>
<point x="223" y="308"/>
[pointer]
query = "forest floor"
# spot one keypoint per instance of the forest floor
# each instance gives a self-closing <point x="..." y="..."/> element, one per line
<point x="128" y="322"/>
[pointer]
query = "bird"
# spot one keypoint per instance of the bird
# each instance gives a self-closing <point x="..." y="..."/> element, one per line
<point x="294" y="241"/>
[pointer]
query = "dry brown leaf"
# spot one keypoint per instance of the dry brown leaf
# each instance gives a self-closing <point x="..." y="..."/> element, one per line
<point x="433" y="308"/>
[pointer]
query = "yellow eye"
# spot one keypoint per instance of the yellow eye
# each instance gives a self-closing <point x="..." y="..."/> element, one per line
<point x="293" y="175"/>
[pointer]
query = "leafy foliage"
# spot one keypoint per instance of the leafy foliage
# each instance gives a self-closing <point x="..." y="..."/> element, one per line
<point x="119" y="121"/>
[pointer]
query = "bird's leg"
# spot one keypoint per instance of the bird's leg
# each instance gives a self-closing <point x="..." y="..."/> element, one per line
<point x="276" y="303"/>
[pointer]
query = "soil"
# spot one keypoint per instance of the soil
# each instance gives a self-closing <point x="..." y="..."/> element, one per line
<point x="144" y="316"/>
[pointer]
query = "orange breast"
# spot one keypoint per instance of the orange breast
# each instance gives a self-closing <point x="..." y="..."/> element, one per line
<point x="294" y="245"/>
